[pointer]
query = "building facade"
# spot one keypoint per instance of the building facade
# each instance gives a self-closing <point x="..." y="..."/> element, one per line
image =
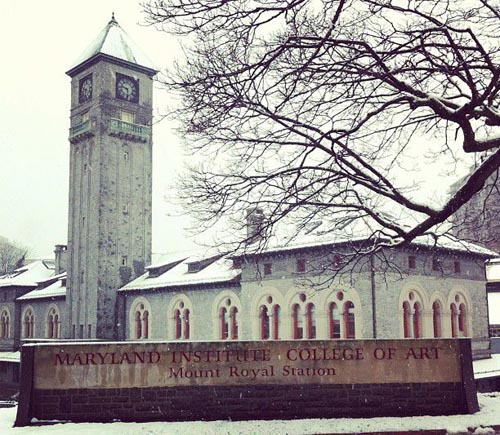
<point x="303" y="289"/>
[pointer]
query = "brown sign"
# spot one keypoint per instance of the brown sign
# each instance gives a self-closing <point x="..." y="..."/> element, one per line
<point x="131" y="365"/>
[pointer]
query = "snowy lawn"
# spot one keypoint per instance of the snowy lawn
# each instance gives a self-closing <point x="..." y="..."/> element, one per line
<point x="487" y="416"/>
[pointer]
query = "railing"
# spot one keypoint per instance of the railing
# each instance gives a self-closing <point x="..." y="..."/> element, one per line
<point x="129" y="130"/>
<point x="80" y="131"/>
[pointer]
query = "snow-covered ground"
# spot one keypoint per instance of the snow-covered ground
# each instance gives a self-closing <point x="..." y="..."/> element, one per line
<point x="488" y="415"/>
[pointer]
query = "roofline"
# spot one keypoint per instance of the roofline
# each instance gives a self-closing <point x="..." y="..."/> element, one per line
<point x="22" y="298"/>
<point x="111" y="59"/>
<point x="413" y="244"/>
<point x="234" y="282"/>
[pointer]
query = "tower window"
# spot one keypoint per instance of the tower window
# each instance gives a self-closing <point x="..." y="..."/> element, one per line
<point x="127" y="116"/>
<point x="457" y="267"/>
<point x="125" y="208"/>
<point x="125" y="156"/>
<point x="124" y="261"/>
<point x="436" y="265"/>
<point x="85" y="116"/>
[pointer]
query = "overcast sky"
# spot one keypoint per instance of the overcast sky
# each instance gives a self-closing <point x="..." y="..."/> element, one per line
<point x="40" y="40"/>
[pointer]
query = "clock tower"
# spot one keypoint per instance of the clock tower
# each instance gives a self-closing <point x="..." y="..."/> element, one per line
<point x="110" y="191"/>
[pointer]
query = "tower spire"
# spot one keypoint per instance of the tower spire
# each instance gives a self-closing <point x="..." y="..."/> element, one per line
<point x="113" y="20"/>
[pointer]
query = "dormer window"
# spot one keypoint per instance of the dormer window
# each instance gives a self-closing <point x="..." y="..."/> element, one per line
<point x="127" y="116"/>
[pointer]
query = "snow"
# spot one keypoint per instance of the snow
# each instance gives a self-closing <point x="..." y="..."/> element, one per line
<point x="488" y="415"/>
<point x="55" y="289"/>
<point x="219" y="271"/>
<point x="29" y="275"/>
<point x="488" y="367"/>
<point x="493" y="270"/>
<point x="10" y="356"/>
<point x="494" y="308"/>
<point x="114" y="41"/>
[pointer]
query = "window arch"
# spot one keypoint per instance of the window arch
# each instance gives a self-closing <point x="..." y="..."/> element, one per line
<point x="182" y="317"/>
<point x="412" y="309"/>
<point x="53" y="323"/>
<point x="436" y="319"/>
<point x="29" y="323"/>
<point x="4" y="324"/>
<point x="343" y="314"/>
<point x="269" y="318"/>
<point x="226" y="315"/>
<point x="459" y="318"/>
<point x="303" y="318"/>
<point x="140" y="319"/>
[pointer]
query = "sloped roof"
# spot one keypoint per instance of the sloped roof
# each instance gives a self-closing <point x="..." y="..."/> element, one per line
<point x="113" y="42"/>
<point x="218" y="270"/>
<point x="55" y="289"/>
<point x="29" y="275"/>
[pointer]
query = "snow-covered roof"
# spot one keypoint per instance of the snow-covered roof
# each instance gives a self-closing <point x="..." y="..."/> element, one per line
<point x="57" y="288"/>
<point x="29" y="275"/>
<point x="10" y="356"/>
<point x="493" y="270"/>
<point x="318" y="235"/>
<point x="487" y="368"/>
<point x="113" y="41"/>
<point x="180" y="272"/>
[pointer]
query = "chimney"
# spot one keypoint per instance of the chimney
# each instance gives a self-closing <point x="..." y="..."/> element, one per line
<point x="61" y="255"/>
<point x="255" y="224"/>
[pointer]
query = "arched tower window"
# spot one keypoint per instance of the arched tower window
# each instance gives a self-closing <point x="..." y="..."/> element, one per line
<point x="349" y="320"/>
<point x="233" y="315"/>
<point x="29" y="323"/>
<point x="224" y="325"/>
<point x="5" y="324"/>
<point x="436" y="319"/>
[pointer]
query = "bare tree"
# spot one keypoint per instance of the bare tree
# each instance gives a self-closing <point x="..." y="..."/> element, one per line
<point x="11" y="256"/>
<point x="315" y="109"/>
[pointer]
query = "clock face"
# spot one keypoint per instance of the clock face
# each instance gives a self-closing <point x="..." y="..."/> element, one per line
<point x="127" y="89"/>
<point x="85" y="89"/>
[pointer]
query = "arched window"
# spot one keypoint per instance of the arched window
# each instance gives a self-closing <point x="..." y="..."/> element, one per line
<point x="298" y="322"/>
<point x="311" y="321"/>
<point x="413" y="305"/>
<point x="226" y="307"/>
<point x="29" y="323"/>
<point x="264" y="323"/>
<point x="436" y="319"/>
<point x="406" y="319"/>
<point x="4" y="324"/>
<point x="182" y="321"/>
<point x="224" y="326"/>
<point x="334" y="320"/>
<point x="417" y="320"/>
<point x="454" y="320"/>
<point x="141" y="321"/>
<point x="462" y="319"/>
<point x="276" y="322"/>
<point x="349" y="320"/>
<point x="53" y="324"/>
<point x="234" y="323"/>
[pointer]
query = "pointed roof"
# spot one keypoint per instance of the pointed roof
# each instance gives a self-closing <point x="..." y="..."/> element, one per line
<point x="114" y="45"/>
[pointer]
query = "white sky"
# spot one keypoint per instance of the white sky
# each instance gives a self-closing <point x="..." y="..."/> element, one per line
<point x="39" y="42"/>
